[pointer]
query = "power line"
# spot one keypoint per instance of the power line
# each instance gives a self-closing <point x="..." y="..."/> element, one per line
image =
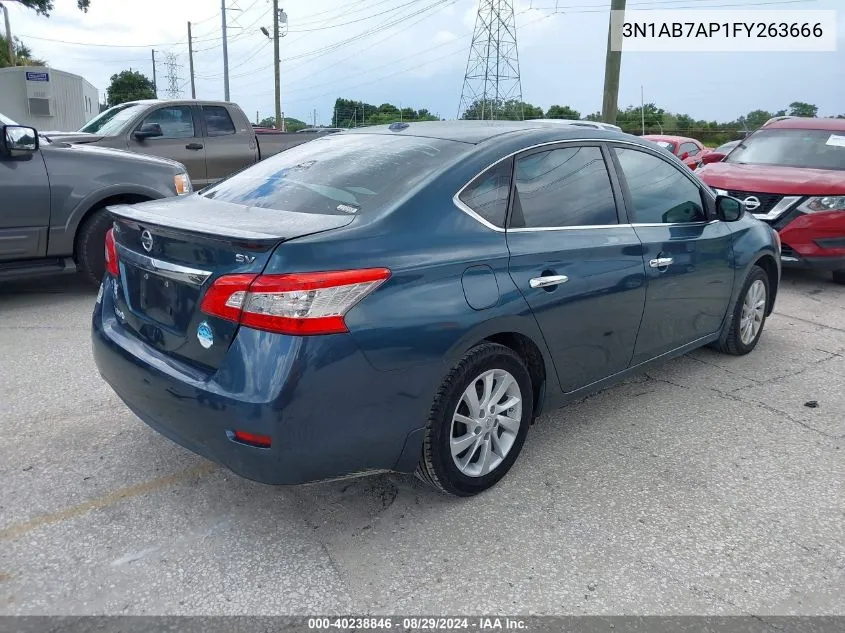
<point x="336" y="45"/>
<point x="357" y="51"/>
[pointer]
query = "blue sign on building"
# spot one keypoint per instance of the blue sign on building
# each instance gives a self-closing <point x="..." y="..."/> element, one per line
<point x="32" y="76"/>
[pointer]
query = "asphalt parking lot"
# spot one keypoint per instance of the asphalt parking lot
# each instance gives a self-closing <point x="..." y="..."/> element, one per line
<point x="704" y="487"/>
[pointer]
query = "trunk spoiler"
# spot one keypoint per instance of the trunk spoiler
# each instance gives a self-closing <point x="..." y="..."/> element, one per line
<point x="224" y="220"/>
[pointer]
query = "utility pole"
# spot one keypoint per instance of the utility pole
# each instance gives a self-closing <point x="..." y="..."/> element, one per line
<point x="155" y="85"/>
<point x="9" y="41"/>
<point x="276" y="75"/>
<point x="225" y="52"/>
<point x="642" y="107"/>
<point x="191" y="62"/>
<point x="612" y="66"/>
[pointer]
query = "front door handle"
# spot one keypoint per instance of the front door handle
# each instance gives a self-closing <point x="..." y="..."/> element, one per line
<point x="548" y="280"/>
<point x="660" y="262"/>
<point x="193" y="146"/>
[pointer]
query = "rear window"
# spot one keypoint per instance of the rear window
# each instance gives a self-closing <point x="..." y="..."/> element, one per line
<point x="815" y="149"/>
<point x="338" y="174"/>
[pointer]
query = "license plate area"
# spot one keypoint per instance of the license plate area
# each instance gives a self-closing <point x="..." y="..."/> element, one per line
<point x="158" y="297"/>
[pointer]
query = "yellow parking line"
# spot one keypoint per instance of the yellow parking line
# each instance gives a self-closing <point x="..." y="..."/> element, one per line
<point x="111" y="498"/>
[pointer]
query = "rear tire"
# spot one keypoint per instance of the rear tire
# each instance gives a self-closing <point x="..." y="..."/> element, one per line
<point x="839" y="276"/>
<point x="748" y="316"/>
<point x="91" y="245"/>
<point x="472" y="442"/>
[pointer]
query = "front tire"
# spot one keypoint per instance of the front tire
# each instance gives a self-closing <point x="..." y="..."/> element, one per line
<point x="839" y="276"/>
<point x="478" y="421"/>
<point x="749" y="315"/>
<point x="91" y="245"/>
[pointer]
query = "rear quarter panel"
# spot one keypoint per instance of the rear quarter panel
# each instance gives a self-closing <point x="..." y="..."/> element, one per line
<point x="421" y="316"/>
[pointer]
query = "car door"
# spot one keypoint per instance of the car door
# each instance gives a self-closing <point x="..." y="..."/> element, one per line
<point x="227" y="149"/>
<point x="25" y="210"/>
<point x="686" y="251"/>
<point x="579" y="269"/>
<point x="180" y="139"/>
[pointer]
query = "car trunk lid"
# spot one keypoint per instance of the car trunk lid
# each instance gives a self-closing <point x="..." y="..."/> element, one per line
<point x="170" y="252"/>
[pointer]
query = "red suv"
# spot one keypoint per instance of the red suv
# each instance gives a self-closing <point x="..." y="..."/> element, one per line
<point x="791" y="174"/>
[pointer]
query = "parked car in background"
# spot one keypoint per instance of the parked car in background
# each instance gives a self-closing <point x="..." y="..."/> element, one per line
<point x="213" y="139"/>
<point x="410" y="297"/>
<point x="52" y="215"/>
<point x="714" y="156"/>
<point x="688" y="150"/>
<point x="596" y="125"/>
<point x="791" y="174"/>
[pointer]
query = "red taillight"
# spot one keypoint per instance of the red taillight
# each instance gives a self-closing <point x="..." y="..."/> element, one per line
<point x="111" y="254"/>
<point x="297" y="303"/>
<point x="253" y="439"/>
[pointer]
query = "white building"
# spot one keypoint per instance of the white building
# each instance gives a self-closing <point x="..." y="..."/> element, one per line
<point x="47" y="99"/>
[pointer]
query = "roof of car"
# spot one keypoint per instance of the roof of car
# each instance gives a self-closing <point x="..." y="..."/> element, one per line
<point x="806" y="123"/>
<point x="669" y="137"/>
<point x="479" y="131"/>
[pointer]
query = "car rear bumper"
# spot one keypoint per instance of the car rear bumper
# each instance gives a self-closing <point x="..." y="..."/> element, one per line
<point x="329" y="413"/>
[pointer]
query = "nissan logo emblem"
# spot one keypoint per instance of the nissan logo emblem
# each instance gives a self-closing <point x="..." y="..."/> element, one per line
<point x="751" y="203"/>
<point x="147" y="240"/>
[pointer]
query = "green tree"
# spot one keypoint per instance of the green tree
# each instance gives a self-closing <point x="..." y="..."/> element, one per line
<point x="23" y="56"/>
<point x="44" y="7"/>
<point x="562" y="112"/>
<point x="511" y="110"/>
<point x="756" y="118"/>
<point x="595" y="116"/>
<point x="799" y="108"/>
<point x="129" y="85"/>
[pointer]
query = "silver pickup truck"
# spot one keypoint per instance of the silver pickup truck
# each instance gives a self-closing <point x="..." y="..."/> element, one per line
<point x="213" y="139"/>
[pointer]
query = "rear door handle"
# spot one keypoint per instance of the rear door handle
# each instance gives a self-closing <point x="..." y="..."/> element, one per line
<point x="660" y="262"/>
<point x="548" y="280"/>
<point x="193" y="146"/>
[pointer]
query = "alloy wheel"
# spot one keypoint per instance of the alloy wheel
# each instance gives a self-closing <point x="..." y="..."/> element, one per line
<point x="753" y="312"/>
<point x="485" y="423"/>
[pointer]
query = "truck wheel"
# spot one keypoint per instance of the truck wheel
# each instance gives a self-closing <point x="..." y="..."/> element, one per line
<point x="90" y="246"/>
<point x="839" y="276"/>
<point x="748" y="316"/>
<point x="478" y="421"/>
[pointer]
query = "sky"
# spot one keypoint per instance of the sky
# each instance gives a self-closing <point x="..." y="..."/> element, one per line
<point x="414" y="53"/>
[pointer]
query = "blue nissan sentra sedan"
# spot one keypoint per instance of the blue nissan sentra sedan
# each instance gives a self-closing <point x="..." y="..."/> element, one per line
<point x="411" y="297"/>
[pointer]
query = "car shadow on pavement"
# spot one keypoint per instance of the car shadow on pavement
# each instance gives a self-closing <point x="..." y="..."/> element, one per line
<point x="66" y="283"/>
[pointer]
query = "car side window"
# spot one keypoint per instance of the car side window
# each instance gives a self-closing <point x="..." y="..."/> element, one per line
<point x="690" y="148"/>
<point x="660" y="192"/>
<point x="487" y="194"/>
<point x="563" y="187"/>
<point x="174" y="121"/>
<point x="217" y="121"/>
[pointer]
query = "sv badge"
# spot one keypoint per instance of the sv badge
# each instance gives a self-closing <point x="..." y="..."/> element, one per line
<point x="244" y="259"/>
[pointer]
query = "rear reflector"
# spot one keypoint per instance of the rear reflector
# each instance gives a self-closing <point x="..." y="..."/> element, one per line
<point x="298" y="303"/>
<point x="111" y="254"/>
<point x="253" y="439"/>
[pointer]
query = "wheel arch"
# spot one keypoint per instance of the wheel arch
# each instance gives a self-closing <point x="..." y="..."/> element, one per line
<point x="768" y="263"/>
<point x="92" y="206"/>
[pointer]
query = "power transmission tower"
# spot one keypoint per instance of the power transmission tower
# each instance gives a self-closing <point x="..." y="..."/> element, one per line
<point x="173" y="82"/>
<point x="492" y="73"/>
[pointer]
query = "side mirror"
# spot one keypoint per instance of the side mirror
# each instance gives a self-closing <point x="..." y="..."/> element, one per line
<point x="712" y="157"/>
<point x="19" y="140"/>
<point x="684" y="156"/>
<point x="148" y="130"/>
<point x="729" y="209"/>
